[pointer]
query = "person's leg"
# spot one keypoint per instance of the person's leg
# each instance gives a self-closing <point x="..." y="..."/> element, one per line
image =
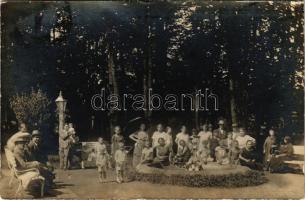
<point x="66" y="153"/>
<point x="61" y="158"/>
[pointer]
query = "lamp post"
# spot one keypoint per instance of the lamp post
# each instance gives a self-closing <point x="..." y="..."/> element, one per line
<point x="61" y="108"/>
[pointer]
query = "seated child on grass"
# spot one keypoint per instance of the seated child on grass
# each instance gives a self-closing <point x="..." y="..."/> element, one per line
<point x="183" y="153"/>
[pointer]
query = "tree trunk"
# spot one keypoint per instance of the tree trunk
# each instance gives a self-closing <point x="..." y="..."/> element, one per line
<point x="113" y="89"/>
<point x="232" y="102"/>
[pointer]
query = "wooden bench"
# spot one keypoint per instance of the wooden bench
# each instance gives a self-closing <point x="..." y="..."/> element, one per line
<point x="19" y="173"/>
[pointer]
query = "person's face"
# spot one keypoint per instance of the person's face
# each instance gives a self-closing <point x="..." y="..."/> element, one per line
<point x="183" y="129"/>
<point x="159" y="127"/>
<point x="221" y="126"/>
<point x="235" y="143"/>
<point x="230" y="136"/>
<point x="66" y="127"/>
<point x="161" y="142"/>
<point x="147" y="144"/>
<point x="249" y="145"/>
<point x="182" y="143"/>
<point x="36" y="139"/>
<point x="204" y="127"/>
<point x="271" y="132"/>
<point x="23" y="128"/>
<point x="286" y="141"/>
<point x="235" y="129"/>
<point x="194" y="133"/>
<point x="100" y="140"/>
<point x="117" y="130"/>
<point x="169" y="130"/>
<point x="21" y="145"/>
<point x="242" y="132"/>
<point x="142" y="127"/>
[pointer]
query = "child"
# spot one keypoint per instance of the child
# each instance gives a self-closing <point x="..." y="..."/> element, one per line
<point x="204" y="152"/>
<point x="147" y="154"/>
<point x="194" y="139"/>
<point x="267" y="146"/>
<point x="234" y="153"/>
<point x="116" y="139"/>
<point x="120" y="157"/>
<point x="194" y="163"/>
<point x="102" y="159"/>
<point x="183" y="153"/>
<point x="221" y="155"/>
<point x="213" y="144"/>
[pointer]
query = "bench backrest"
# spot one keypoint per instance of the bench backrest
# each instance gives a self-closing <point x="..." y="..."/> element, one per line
<point x="298" y="150"/>
<point x="11" y="162"/>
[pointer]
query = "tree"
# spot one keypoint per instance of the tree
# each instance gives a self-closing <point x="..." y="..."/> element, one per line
<point x="31" y="108"/>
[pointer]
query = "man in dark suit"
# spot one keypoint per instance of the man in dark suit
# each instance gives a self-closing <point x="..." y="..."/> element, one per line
<point x="220" y="133"/>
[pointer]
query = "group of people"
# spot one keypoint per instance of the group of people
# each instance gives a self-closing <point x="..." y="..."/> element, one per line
<point x="193" y="151"/>
<point x="190" y="151"/>
<point x="29" y="154"/>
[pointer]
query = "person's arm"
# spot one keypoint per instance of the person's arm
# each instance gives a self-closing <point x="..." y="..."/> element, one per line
<point x="177" y="138"/>
<point x="23" y="164"/>
<point x="243" y="158"/>
<point x="64" y="135"/>
<point x="134" y="137"/>
<point x="265" y="146"/>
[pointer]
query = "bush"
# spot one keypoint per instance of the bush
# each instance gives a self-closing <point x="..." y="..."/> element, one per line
<point x="31" y="108"/>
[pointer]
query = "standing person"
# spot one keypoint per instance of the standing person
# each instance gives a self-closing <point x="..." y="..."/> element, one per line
<point x="249" y="158"/>
<point x="64" y="147"/>
<point x="243" y="138"/>
<point x="270" y="140"/>
<point x="169" y="137"/>
<point x="102" y="159"/>
<point x="140" y="137"/>
<point x="120" y="157"/>
<point x="158" y="134"/>
<point x="204" y="135"/>
<point x="182" y="136"/>
<point x="116" y="139"/>
<point x="194" y="139"/>
<point x="220" y="133"/>
<point x="235" y="131"/>
<point x="261" y="137"/>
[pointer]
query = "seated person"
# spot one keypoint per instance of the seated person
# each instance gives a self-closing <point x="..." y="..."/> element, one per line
<point x="279" y="156"/>
<point x="234" y="153"/>
<point x="213" y="144"/>
<point x="147" y="154"/>
<point x="249" y="158"/>
<point x="35" y="153"/>
<point x="242" y="138"/>
<point x="221" y="155"/>
<point x="162" y="154"/>
<point x="194" y="163"/>
<point x="22" y="162"/>
<point x="183" y="153"/>
<point x="204" y="152"/>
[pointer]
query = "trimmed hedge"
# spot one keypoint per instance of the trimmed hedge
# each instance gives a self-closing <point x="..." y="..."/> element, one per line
<point x="249" y="178"/>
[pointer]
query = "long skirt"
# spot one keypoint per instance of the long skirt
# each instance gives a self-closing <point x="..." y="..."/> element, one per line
<point x="137" y="153"/>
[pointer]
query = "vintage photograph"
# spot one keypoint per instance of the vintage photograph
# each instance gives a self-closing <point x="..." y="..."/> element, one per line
<point x="151" y="99"/>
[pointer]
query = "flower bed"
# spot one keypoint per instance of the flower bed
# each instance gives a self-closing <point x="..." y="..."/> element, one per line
<point x="212" y="175"/>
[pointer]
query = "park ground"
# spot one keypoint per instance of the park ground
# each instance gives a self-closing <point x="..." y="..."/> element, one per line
<point x="83" y="184"/>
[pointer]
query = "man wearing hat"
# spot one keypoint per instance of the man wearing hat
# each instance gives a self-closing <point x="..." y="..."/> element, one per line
<point x="35" y="148"/>
<point x="220" y="133"/>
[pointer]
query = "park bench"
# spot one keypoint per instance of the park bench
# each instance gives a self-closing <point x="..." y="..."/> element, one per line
<point x="19" y="174"/>
<point x="298" y="158"/>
